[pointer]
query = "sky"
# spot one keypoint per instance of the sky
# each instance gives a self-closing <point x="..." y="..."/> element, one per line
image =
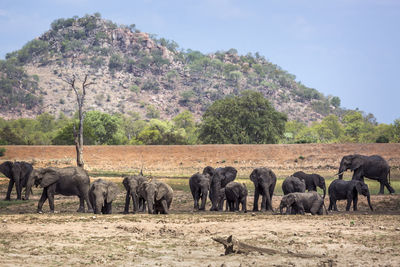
<point x="344" y="48"/>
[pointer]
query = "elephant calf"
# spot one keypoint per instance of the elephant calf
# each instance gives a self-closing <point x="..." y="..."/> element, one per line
<point x="132" y="184"/>
<point x="341" y="189"/>
<point x="101" y="195"/>
<point x="158" y="196"/>
<point x="199" y="186"/>
<point x="303" y="202"/>
<point x="264" y="180"/>
<point x="293" y="184"/>
<point x="236" y="193"/>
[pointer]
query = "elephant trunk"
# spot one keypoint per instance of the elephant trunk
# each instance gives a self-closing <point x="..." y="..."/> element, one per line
<point x="324" y="189"/>
<point x="150" y="205"/>
<point x="341" y="170"/>
<point x="135" y="201"/>
<point x="28" y="189"/>
<point x="281" y="206"/>
<point x="369" y="202"/>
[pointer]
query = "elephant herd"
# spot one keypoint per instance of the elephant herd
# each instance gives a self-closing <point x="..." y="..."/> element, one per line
<point x="217" y="184"/>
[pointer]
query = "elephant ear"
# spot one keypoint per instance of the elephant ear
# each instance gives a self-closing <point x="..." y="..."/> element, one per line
<point x="253" y="175"/>
<point x="6" y="168"/>
<point x="356" y="163"/>
<point x="112" y="192"/>
<point x="49" y="177"/>
<point x="291" y="198"/>
<point x="161" y="192"/>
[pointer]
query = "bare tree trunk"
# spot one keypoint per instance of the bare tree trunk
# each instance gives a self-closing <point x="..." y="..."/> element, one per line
<point x="78" y="136"/>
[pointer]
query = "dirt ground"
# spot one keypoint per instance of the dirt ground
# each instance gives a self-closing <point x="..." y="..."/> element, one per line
<point x="184" y="237"/>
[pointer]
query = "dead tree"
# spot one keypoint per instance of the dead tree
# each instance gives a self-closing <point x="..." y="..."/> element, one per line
<point x="80" y="98"/>
<point x="232" y="245"/>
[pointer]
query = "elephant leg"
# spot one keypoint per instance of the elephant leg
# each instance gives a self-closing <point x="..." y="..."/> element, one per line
<point x="127" y="202"/>
<point x="81" y="205"/>
<point x="334" y="205"/>
<point x="330" y="204"/>
<point x="196" y="197"/>
<point x="10" y="186"/>
<point x="355" y="200"/>
<point x="381" y="189"/>
<point x="109" y="208"/>
<point x="300" y="208"/>
<point x="203" y="201"/>
<point x="50" y="197"/>
<point x="18" y="188"/>
<point x="42" y="199"/>
<point x="349" y="200"/>
<point x="164" y="206"/>
<point x="388" y="186"/>
<point x="256" y="196"/>
<point x="89" y="205"/>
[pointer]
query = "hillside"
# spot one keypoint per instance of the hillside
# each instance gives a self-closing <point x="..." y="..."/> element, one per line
<point x="136" y="72"/>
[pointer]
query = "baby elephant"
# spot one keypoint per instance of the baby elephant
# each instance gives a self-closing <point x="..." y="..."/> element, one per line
<point x="236" y="193"/>
<point x="341" y="189"/>
<point x="303" y="202"/>
<point x="293" y="184"/>
<point x="132" y="184"/>
<point x="199" y="186"/>
<point x="101" y="195"/>
<point x="158" y="196"/>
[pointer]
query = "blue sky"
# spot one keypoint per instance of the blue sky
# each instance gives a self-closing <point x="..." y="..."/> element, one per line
<point x="345" y="48"/>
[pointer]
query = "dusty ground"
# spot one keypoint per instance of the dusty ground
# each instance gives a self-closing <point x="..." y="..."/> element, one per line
<point x="183" y="238"/>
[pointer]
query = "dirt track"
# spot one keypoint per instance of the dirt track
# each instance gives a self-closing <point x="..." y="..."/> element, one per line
<point x="183" y="238"/>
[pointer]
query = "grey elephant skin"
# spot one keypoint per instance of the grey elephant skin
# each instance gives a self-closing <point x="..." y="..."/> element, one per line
<point x="132" y="184"/>
<point x="236" y="194"/>
<point x="349" y="190"/>
<point x="312" y="181"/>
<point x="373" y="167"/>
<point x="101" y="195"/>
<point x="158" y="196"/>
<point x="293" y="184"/>
<point x="18" y="172"/>
<point x="69" y="181"/>
<point x="264" y="180"/>
<point x="199" y="186"/>
<point x="310" y="202"/>
<point x="220" y="177"/>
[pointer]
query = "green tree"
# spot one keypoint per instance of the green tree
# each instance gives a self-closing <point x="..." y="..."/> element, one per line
<point x="185" y="120"/>
<point x="245" y="119"/>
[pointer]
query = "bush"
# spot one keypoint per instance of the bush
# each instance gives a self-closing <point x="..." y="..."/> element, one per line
<point x="2" y="151"/>
<point x="115" y="62"/>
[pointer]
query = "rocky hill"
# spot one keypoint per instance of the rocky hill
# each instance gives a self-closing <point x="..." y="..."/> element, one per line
<point x="134" y="71"/>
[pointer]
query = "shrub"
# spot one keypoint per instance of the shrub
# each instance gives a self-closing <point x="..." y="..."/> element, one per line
<point x="115" y="62"/>
<point x="2" y="151"/>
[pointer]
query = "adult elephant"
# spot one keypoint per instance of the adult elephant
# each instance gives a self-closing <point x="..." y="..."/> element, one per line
<point x="293" y="184"/>
<point x="310" y="202"/>
<point x="199" y="186"/>
<point x="18" y="173"/>
<point x="264" y="180"/>
<point x="101" y="195"/>
<point x="373" y="167"/>
<point x="220" y="177"/>
<point x="312" y="181"/>
<point x="340" y="189"/>
<point x="158" y="196"/>
<point x="69" y="181"/>
<point x="132" y="184"/>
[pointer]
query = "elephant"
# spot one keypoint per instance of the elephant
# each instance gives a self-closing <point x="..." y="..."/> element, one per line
<point x="340" y="189"/>
<point x="293" y="184"/>
<point x="199" y="186"/>
<point x="220" y="177"/>
<point x="298" y="202"/>
<point x="69" y="181"/>
<point x="312" y="181"/>
<point x="373" y="167"/>
<point x="18" y="173"/>
<point x="236" y="193"/>
<point x="101" y="195"/>
<point x="158" y="196"/>
<point x="264" y="180"/>
<point x="132" y="184"/>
